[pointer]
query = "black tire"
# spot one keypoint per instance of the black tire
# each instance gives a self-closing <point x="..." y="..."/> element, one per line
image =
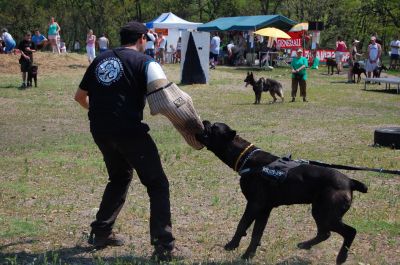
<point x="388" y="137"/>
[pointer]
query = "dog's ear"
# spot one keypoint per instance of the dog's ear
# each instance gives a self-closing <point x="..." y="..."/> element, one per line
<point x="230" y="135"/>
<point x="206" y="124"/>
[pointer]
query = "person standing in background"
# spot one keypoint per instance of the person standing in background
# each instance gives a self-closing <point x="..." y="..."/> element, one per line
<point x="178" y="50"/>
<point x="53" y="35"/>
<point x="352" y="60"/>
<point x="162" y="42"/>
<point x="341" y="48"/>
<point x="26" y="48"/>
<point x="299" y="75"/>
<point x="8" y="40"/>
<point x="214" y="50"/>
<point x="150" y="45"/>
<point x="374" y="53"/>
<point x="394" y="52"/>
<point x="103" y="43"/>
<point x="90" y="46"/>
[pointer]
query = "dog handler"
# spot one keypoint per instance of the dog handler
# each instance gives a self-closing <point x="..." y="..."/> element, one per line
<point x="299" y="75"/>
<point x="114" y="90"/>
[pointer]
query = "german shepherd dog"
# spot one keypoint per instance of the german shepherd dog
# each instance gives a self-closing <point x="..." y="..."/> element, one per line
<point x="328" y="191"/>
<point x="262" y="84"/>
<point x="331" y="64"/>
<point x="32" y="75"/>
<point x="358" y="70"/>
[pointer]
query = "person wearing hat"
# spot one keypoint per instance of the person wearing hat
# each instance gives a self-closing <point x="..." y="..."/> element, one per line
<point x="374" y="53"/>
<point x="299" y="75"/>
<point x="352" y="59"/>
<point x="8" y="40"/>
<point x="114" y="89"/>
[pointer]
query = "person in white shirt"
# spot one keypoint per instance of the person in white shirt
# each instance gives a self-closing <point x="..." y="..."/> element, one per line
<point x="214" y="50"/>
<point x="103" y="43"/>
<point x="162" y="42"/>
<point x="395" y="52"/>
<point x="8" y="40"/>
<point x="150" y="45"/>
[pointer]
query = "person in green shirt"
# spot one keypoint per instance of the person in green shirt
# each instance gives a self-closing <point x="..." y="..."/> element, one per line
<point x="299" y="75"/>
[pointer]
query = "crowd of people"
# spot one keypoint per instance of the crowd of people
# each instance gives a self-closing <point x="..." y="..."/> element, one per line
<point x="38" y="42"/>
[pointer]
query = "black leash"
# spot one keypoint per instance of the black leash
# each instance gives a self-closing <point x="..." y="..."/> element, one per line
<point x="322" y="164"/>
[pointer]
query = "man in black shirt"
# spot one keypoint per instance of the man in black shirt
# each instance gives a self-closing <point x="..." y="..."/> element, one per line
<point x="114" y="89"/>
<point x="26" y="48"/>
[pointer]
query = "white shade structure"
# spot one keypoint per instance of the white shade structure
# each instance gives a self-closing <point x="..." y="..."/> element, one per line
<point x="174" y="24"/>
<point x="172" y="21"/>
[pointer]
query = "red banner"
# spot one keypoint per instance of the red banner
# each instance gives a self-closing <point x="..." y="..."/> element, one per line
<point x="322" y="54"/>
<point x="294" y="42"/>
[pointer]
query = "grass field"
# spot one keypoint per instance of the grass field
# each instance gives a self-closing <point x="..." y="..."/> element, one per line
<point x="52" y="175"/>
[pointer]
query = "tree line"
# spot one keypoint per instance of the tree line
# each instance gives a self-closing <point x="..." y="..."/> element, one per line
<point x="346" y="18"/>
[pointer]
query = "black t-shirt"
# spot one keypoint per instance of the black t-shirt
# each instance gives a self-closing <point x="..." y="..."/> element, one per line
<point x="23" y="45"/>
<point x="116" y="104"/>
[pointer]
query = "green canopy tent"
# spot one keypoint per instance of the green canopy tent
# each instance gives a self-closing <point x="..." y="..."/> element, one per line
<point x="244" y="23"/>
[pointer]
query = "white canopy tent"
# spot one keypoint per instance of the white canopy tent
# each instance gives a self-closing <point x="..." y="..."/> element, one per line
<point x="174" y="24"/>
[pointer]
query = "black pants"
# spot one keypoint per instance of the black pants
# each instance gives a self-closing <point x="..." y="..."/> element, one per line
<point x="121" y="156"/>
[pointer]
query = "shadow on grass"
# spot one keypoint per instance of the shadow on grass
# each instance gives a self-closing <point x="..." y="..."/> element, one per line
<point x="383" y="90"/>
<point x="72" y="256"/>
<point x="8" y="86"/>
<point x="341" y="82"/>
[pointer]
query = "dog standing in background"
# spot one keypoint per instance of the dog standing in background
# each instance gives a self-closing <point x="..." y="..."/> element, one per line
<point x="32" y="75"/>
<point x="331" y="64"/>
<point x="262" y="84"/>
<point x="358" y="70"/>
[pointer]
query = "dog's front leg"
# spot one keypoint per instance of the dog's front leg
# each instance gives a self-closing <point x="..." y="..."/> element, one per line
<point x="258" y="230"/>
<point x="244" y="223"/>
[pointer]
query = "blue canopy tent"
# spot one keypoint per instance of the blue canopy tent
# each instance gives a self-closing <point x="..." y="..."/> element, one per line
<point x="244" y="23"/>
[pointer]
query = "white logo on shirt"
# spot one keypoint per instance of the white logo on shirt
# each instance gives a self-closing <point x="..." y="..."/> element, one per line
<point x="109" y="70"/>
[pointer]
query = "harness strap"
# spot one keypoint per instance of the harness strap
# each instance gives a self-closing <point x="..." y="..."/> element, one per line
<point x="247" y="158"/>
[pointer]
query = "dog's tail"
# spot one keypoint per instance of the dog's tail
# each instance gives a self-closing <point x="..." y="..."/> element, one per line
<point x="358" y="186"/>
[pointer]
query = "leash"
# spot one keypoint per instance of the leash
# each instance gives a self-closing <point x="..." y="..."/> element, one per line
<point x="322" y="164"/>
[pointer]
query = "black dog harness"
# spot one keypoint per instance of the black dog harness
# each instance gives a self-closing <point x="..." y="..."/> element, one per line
<point x="275" y="172"/>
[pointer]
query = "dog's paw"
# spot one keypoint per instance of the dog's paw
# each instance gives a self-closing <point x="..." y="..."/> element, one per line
<point x="231" y="246"/>
<point x="248" y="255"/>
<point x="304" y="245"/>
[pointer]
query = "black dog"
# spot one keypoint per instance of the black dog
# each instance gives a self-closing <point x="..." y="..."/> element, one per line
<point x="32" y="74"/>
<point x="274" y="87"/>
<point x="378" y="70"/>
<point x="331" y="64"/>
<point x="358" y="70"/>
<point x="329" y="191"/>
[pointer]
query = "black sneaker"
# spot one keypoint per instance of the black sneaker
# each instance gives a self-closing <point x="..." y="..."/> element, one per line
<point x="293" y="100"/>
<point x="23" y="86"/>
<point x="102" y="241"/>
<point x="161" y="254"/>
<point x="305" y="100"/>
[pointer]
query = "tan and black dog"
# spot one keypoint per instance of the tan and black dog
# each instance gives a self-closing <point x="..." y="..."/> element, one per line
<point x="262" y="84"/>
<point x="268" y="182"/>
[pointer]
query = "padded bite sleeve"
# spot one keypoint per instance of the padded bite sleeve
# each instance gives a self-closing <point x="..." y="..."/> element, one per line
<point x="175" y="104"/>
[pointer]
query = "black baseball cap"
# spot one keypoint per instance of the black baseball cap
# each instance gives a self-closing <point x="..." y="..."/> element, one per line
<point x="132" y="31"/>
